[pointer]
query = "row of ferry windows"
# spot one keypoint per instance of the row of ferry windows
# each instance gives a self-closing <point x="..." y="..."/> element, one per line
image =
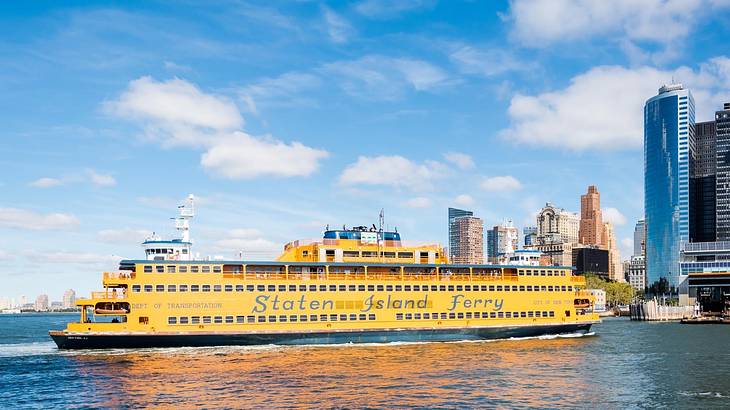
<point x="541" y="272"/>
<point x="350" y="288"/>
<point x="219" y="269"/>
<point x="196" y="320"/>
<point x="474" y="315"/>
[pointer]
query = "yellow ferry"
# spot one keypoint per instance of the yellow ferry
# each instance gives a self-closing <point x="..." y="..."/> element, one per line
<point x="354" y="285"/>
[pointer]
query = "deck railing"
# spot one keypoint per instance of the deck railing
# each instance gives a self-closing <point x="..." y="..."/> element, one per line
<point x="108" y="295"/>
<point x="118" y="275"/>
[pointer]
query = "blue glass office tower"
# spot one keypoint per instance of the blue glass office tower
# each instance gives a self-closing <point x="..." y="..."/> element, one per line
<point x="668" y="158"/>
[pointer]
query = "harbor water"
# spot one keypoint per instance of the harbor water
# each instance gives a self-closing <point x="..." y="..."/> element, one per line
<point x="623" y="364"/>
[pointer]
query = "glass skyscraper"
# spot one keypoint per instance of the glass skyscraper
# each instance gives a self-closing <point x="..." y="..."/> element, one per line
<point x="453" y="232"/>
<point x="669" y="149"/>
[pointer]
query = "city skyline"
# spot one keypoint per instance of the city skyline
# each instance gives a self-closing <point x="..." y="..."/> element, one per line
<point x="277" y="148"/>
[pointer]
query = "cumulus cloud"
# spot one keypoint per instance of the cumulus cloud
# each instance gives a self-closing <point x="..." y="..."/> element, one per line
<point x="461" y="160"/>
<point x="464" y="200"/>
<point x="387" y="78"/>
<point x="46" y="182"/>
<point x="177" y="113"/>
<point x="101" y="180"/>
<point x="603" y="107"/>
<point x="418" y="202"/>
<point x="614" y="216"/>
<point x="504" y="183"/>
<point x="338" y="28"/>
<point x="26" y="219"/>
<point x="394" y="171"/>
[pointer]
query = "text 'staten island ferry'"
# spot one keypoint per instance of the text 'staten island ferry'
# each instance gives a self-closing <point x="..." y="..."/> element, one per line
<point x="354" y="285"/>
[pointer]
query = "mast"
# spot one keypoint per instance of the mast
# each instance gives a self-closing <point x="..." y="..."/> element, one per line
<point x="186" y="213"/>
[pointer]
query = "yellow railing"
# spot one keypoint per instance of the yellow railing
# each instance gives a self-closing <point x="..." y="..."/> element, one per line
<point x="118" y="275"/>
<point x="108" y="295"/>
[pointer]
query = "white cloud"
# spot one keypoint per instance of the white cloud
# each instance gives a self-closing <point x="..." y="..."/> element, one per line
<point x="603" y="107"/>
<point x="394" y="171"/>
<point x="178" y="113"/>
<point x="338" y="28"/>
<point x="614" y="216"/>
<point x="387" y="78"/>
<point x="418" y="202"/>
<point x="46" y="182"/>
<point x="241" y="156"/>
<point x="25" y="219"/>
<point x="74" y="258"/>
<point x="464" y="200"/>
<point x="628" y="243"/>
<point x="542" y="22"/>
<point x="461" y="160"/>
<point x="486" y="61"/>
<point x="124" y="235"/>
<point x="503" y="183"/>
<point x="281" y="91"/>
<point x="387" y="9"/>
<point x="100" y="180"/>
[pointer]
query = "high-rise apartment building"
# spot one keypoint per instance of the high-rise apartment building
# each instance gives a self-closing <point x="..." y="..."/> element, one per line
<point x="469" y="246"/>
<point x="639" y="238"/>
<point x="69" y="299"/>
<point x="41" y="303"/>
<point x="501" y="240"/>
<point x="636" y="272"/>
<point x="722" y="186"/>
<point x="615" y="267"/>
<point x="669" y="150"/>
<point x="454" y="235"/>
<point x="702" y="184"/>
<point x="556" y="225"/>
<point x="591" y="221"/>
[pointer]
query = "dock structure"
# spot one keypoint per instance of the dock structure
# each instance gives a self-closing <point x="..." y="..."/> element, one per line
<point x="653" y="311"/>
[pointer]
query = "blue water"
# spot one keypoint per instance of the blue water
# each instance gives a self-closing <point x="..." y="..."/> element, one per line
<point x="624" y="365"/>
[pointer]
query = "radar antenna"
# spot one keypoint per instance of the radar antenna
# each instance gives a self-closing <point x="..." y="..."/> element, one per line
<point x="186" y="213"/>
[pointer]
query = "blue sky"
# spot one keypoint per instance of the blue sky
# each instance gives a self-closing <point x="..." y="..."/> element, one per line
<point x="286" y="116"/>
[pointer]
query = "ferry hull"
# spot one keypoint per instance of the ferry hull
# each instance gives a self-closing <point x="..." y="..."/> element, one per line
<point x="66" y="340"/>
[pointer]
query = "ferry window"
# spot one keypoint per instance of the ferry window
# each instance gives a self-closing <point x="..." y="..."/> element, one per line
<point x="170" y="269"/>
<point x="216" y="288"/>
<point x="501" y="314"/>
<point x="491" y="288"/>
<point x="229" y="319"/>
<point x="239" y="319"/>
<point x="567" y="313"/>
<point x="550" y="288"/>
<point x="282" y="288"/>
<point x="195" y="288"/>
<point x="390" y="254"/>
<point x="409" y="316"/>
<point x="452" y="315"/>
<point x="302" y="318"/>
<point x="371" y="316"/>
<point x="322" y="318"/>
<point x="352" y="288"/>
<point x="302" y="288"/>
<point x="521" y="273"/>
<point x="361" y="288"/>
<point x="362" y="316"/>
<point x="195" y="320"/>
<point x="172" y="288"/>
<point x="148" y="269"/>
<point x="468" y="315"/>
<point x="514" y="288"/>
<point x="550" y="273"/>
<point x="380" y="288"/>
<point x="282" y="318"/>
<point x="508" y="315"/>
<point x="333" y="318"/>
<point x="206" y="288"/>
<point x="292" y="288"/>
<point x="562" y="273"/>
<point x="545" y="314"/>
<point x="492" y="315"/>
<point x="182" y="269"/>
<point x="551" y="314"/>
<point x="460" y="315"/>
<point x="239" y="288"/>
<point x="543" y="288"/>
<point x="229" y="288"/>
<point x="399" y="316"/>
<point x="312" y="318"/>
<point x="218" y="319"/>
<point x="183" y="288"/>
<point x="529" y="288"/>
<point x="312" y="288"/>
<point x="570" y="288"/>
<point x="522" y="288"/>
<point x="250" y="319"/>
<point x="529" y="314"/>
<point x="506" y="288"/>
<point x="417" y="288"/>
<point x="272" y="318"/>
<point x="371" y="288"/>
<point x="184" y="320"/>
<point x="148" y="288"/>
<point x="136" y="288"/>
<point x="398" y="288"/>
<point x="343" y="317"/>
<point x="442" y="288"/>
<point x="343" y="288"/>
<point x="427" y="316"/>
<point x="468" y="288"/>
<point x="185" y="251"/>
<point x="451" y="288"/>
<point x="261" y="319"/>
<point x="217" y="269"/>
<point x="369" y="254"/>
<point x="405" y="254"/>
<point x="542" y="273"/>
<point x="484" y="288"/>
<point x="260" y="288"/>
<point x="443" y="316"/>
<point x="205" y="269"/>
<point x="144" y="320"/>
<point x="499" y="288"/>
<point x="160" y="268"/>
<point x="563" y="288"/>
<point x="353" y="316"/>
<point x="459" y="288"/>
<point x="292" y="318"/>
<point x="523" y="314"/>
<point x="194" y="269"/>
<point x="434" y="288"/>
<point x="172" y="320"/>
<point x="206" y="319"/>
<point x="272" y="288"/>
<point x="333" y="288"/>
<point x="250" y="288"/>
<point x="389" y="288"/>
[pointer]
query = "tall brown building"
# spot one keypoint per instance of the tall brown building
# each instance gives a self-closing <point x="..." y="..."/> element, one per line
<point x="591" y="221"/>
<point x="469" y="246"/>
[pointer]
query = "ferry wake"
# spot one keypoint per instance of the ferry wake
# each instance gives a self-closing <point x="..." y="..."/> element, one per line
<point x="357" y="285"/>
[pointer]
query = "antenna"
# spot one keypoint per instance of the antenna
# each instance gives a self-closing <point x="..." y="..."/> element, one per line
<point x="381" y="219"/>
<point x="186" y="213"/>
